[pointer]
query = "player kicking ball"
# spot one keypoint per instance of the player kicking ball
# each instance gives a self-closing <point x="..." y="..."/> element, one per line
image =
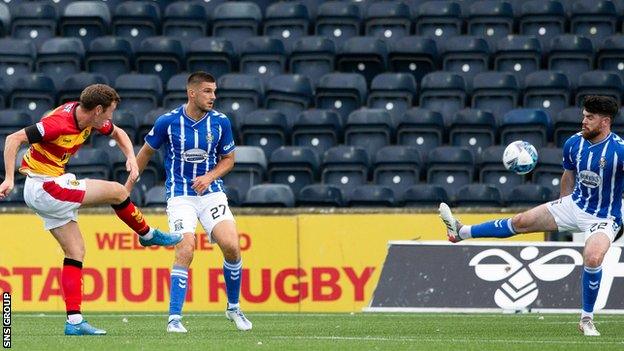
<point x="590" y="202"/>
<point x="200" y="150"/>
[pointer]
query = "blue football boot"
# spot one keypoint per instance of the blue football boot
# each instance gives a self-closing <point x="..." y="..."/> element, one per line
<point x="161" y="239"/>
<point x="82" y="328"/>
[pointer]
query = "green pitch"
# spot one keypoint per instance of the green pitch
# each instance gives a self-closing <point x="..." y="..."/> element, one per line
<point x="360" y="331"/>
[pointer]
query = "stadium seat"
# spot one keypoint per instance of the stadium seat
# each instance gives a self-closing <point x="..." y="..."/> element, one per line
<point x="492" y="171"/>
<point x="593" y="19"/>
<point x="439" y="19"/>
<point x="136" y="20"/>
<point x="213" y="55"/>
<point x="610" y="56"/>
<point x="156" y="197"/>
<point x="320" y="129"/>
<point x="345" y="166"/>
<point x="531" y="125"/>
<point x="542" y="19"/>
<point x="549" y="170"/>
<point x="394" y="92"/>
<point x="137" y="196"/>
<point x="518" y="54"/>
<point x="370" y="196"/>
<point x="424" y="195"/>
<point x="599" y="83"/>
<point x="422" y="129"/>
<point x="370" y="129"/>
<point x="572" y="55"/>
<point x="73" y="85"/>
<point x="320" y="195"/>
<point x="478" y="195"/>
<point x="17" y="57"/>
<point x="270" y="195"/>
<point x="11" y="121"/>
<point x="236" y="21"/>
<point x="295" y="166"/>
<point x="312" y="57"/>
<point x="152" y="175"/>
<point x="35" y="21"/>
<point x="528" y="195"/>
<point x="34" y="93"/>
<point x="363" y="55"/>
<point x="450" y="167"/>
<point x="566" y="123"/>
<point x="267" y="129"/>
<point x="414" y="55"/>
<point x="146" y="122"/>
<point x="175" y="91"/>
<point x="240" y="93"/>
<point x="161" y="56"/>
<point x="110" y="56"/>
<point x="263" y="56"/>
<point x="15" y="197"/>
<point x="129" y="123"/>
<point x="547" y="90"/>
<point x="233" y="197"/>
<point x="59" y="58"/>
<point x="185" y="21"/>
<point x="389" y="20"/>
<point x="467" y="56"/>
<point x="89" y="163"/>
<point x="290" y="94"/>
<point x="496" y="92"/>
<point x="139" y="93"/>
<point x="342" y="92"/>
<point x="286" y="20"/>
<point x="5" y="20"/>
<point x="85" y="20"/>
<point x="474" y="129"/>
<point x="338" y="20"/>
<point x="249" y="170"/>
<point x="443" y="92"/>
<point x="491" y="19"/>
<point x="397" y="167"/>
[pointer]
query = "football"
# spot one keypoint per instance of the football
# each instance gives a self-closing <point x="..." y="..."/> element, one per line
<point x="520" y="157"/>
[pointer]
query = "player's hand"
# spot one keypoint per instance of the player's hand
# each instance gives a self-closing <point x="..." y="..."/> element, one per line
<point x="5" y="188"/>
<point x="201" y="183"/>
<point x="133" y="170"/>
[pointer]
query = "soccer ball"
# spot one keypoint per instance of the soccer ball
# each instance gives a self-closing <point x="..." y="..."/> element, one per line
<point x="520" y="157"/>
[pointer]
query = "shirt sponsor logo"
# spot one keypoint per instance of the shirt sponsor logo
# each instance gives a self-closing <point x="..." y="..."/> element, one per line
<point x="195" y="155"/>
<point x="590" y="179"/>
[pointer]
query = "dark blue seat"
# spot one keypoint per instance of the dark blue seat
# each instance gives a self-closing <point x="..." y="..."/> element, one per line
<point x="295" y="166"/>
<point x="288" y="21"/>
<point x="236" y="21"/>
<point x="234" y="198"/>
<point x="289" y="93"/>
<point x="599" y="83"/>
<point x="531" y="125"/>
<point x="414" y="55"/>
<point x="443" y="92"/>
<point x="342" y="92"/>
<point x="424" y="195"/>
<point x="370" y="129"/>
<point x="312" y="57"/>
<point x="15" y="197"/>
<point x="491" y="19"/>
<point x="146" y="122"/>
<point x="388" y="20"/>
<point x="92" y="163"/>
<point x="320" y="195"/>
<point x="528" y="195"/>
<point x="572" y="55"/>
<point x="267" y="129"/>
<point x="35" y="21"/>
<point x="566" y="123"/>
<point x="249" y="170"/>
<point x="156" y="197"/>
<point x="549" y="170"/>
<point x="85" y="20"/>
<point x="345" y="166"/>
<point x="129" y="123"/>
<point x="59" y="58"/>
<point x="466" y="55"/>
<point x="240" y="93"/>
<point x="175" y="91"/>
<point x="5" y="20"/>
<point x="73" y="85"/>
<point x="542" y="19"/>
<point x="12" y="121"/>
<point x="397" y="167"/>
<point x="439" y="19"/>
<point x="364" y="55"/>
<point x="492" y="171"/>
<point x="320" y="129"/>
<point x="371" y="196"/>
<point x="518" y="54"/>
<point x="497" y="92"/>
<point x="478" y="195"/>
<point x="610" y="55"/>
<point x="153" y="174"/>
<point x="338" y="20"/>
<point x="161" y="56"/>
<point x="17" y="57"/>
<point x="422" y="129"/>
<point x="110" y="56"/>
<point x="592" y="19"/>
<point x="450" y="167"/>
<point x="394" y="92"/>
<point x="34" y="93"/>
<point x="547" y="90"/>
<point x="139" y="93"/>
<point x="474" y="129"/>
<point x="214" y="55"/>
<point x="270" y="195"/>
<point x="136" y="20"/>
<point x="263" y="56"/>
<point x="185" y="21"/>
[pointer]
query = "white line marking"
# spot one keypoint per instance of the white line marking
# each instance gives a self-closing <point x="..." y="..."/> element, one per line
<point x="445" y="340"/>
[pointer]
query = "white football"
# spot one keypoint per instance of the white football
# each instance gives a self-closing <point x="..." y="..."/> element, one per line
<point x="520" y="157"/>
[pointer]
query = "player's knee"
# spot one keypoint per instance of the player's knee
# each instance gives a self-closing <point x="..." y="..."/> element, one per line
<point x="593" y="259"/>
<point x="75" y="253"/>
<point x="520" y="222"/>
<point x="118" y="193"/>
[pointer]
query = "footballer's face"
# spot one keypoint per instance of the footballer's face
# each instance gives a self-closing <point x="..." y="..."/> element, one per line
<point x="203" y="95"/>
<point x="593" y="124"/>
<point x="101" y="115"/>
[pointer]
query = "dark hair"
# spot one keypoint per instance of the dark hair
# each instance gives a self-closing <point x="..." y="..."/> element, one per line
<point x="199" y="77"/>
<point x="602" y="105"/>
<point x="98" y="94"/>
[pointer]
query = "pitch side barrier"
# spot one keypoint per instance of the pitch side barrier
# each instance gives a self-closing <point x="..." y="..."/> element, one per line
<point x="494" y="276"/>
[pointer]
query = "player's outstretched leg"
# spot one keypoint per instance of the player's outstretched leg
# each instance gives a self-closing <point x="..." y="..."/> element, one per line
<point x="452" y="224"/>
<point x="455" y="231"/>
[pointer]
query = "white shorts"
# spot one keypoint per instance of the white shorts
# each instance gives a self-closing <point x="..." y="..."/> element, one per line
<point x="570" y="218"/>
<point x="55" y="199"/>
<point x="210" y="209"/>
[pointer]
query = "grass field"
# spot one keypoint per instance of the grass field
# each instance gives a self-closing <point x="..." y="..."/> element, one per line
<point x="360" y="331"/>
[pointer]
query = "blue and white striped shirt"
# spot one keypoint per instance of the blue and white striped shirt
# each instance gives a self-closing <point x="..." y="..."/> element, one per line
<point x="599" y="170"/>
<point x="192" y="148"/>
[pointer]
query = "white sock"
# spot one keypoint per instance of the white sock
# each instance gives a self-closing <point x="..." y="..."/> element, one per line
<point x="74" y="318"/>
<point x="149" y="235"/>
<point x="587" y="314"/>
<point x="174" y="316"/>
<point x="464" y="232"/>
<point x="233" y="305"/>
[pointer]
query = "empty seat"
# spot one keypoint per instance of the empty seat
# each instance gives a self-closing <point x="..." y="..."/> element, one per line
<point x="371" y="196"/>
<point x="153" y="174"/>
<point x="320" y="129"/>
<point x="236" y="21"/>
<point x="175" y="91"/>
<point x="450" y="167"/>
<point x="267" y="129"/>
<point x="139" y="93"/>
<point x="214" y="55"/>
<point x="146" y="121"/>
<point x="518" y="54"/>
<point x="241" y="93"/>
<point x="542" y="19"/>
<point x="439" y="19"/>
<point x="566" y="123"/>
<point x="5" y="20"/>
<point x="572" y="55"/>
<point x="289" y="93"/>
<point x="595" y="20"/>
<point x="478" y="195"/>
<point x="263" y="56"/>
<point x="136" y="20"/>
<point x="421" y="128"/>
<point x="497" y="92"/>
<point x="443" y="92"/>
<point x="35" y="93"/>
<point x="129" y="123"/>
<point x="370" y="129"/>
<point x="342" y="92"/>
<point x="286" y="20"/>
<point x="531" y="125"/>
<point x="15" y="197"/>
<point x="338" y="20"/>
<point x="60" y="57"/>
<point x="294" y="166"/>
<point x="110" y="56"/>
<point x="491" y="19"/>
<point x="17" y="57"/>
<point x="363" y="55"/>
<point x="12" y="121"/>
<point x="345" y="166"/>
<point x="424" y="195"/>
<point x="414" y="55"/>
<point x="85" y="20"/>
<point x="474" y="129"/>
<point x="492" y="170"/>
<point x="547" y="90"/>
<point x="466" y="55"/>
<point x="389" y="20"/>
<point x="549" y="170"/>
<point x="73" y="85"/>
<point x="161" y="56"/>
<point x="185" y="21"/>
<point x="394" y="92"/>
<point x="610" y="56"/>
<point x="322" y="195"/>
<point x="249" y="169"/>
<point x="156" y="197"/>
<point x="89" y="163"/>
<point x="528" y="195"/>
<point x="599" y="83"/>
<point x="397" y="167"/>
<point x="233" y="197"/>
<point x="312" y="57"/>
<point x="270" y="195"/>
<point x="35" y="21"/>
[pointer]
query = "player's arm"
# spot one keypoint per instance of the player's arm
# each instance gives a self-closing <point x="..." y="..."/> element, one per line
<point x="142" y="158"/>
<point x="124" y="143"/>
<point x="11" y="145"/>
<point x="567" y="182"/>
<point x="223" y="166"/>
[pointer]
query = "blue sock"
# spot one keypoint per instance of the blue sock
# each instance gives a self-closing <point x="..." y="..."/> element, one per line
<point x="591" y="285"/>
<point x="500" y="228"/>
<point x="179" y="282"/>
<point x="232" y="275"/>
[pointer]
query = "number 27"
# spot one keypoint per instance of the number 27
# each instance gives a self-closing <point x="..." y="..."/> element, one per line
<point x="215" y="211"/>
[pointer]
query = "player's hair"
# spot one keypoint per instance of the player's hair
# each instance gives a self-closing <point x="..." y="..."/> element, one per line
<point x="98" y="94"/>
<point x="603" y="105"/>
<point x="200" y="77"/>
